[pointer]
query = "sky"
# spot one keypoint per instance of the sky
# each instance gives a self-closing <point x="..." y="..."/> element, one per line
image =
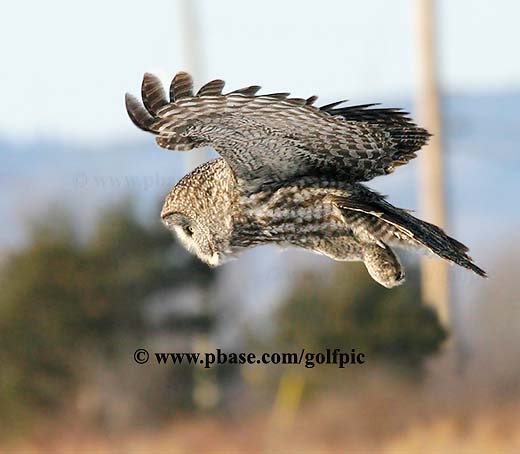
<point x="65" y="66"/>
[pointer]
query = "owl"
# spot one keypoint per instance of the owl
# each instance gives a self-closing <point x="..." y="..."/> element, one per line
<point x="290" y="174"/>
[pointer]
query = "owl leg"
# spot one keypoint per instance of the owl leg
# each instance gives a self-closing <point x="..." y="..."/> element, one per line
<point x="344" y="248"/>
<point x="382" y="264"/>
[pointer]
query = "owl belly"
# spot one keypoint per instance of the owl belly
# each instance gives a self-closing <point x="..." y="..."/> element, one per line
<point x="296" y="214"/>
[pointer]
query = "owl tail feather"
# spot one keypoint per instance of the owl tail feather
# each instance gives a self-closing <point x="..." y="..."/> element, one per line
<point x="408" y="227"/>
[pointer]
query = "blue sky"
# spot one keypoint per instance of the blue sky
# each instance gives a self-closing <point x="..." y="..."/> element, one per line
<point x="66" y="65"/>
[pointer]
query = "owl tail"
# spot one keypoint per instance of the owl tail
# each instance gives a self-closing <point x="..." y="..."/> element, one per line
<point x="405" y="228"/>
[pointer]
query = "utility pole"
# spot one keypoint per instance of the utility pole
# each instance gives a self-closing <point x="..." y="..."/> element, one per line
<point x="434" y="272"/>
<point x="190" y="35"/>
<point x="206" y="392"/>
<point x="193" y="61"/>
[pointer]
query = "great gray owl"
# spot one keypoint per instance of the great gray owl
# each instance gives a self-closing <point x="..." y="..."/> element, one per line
<point x="289" y="174"/>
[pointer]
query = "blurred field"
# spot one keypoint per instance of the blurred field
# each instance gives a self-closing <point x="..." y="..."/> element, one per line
<point x="327" y="426"/>
<point x="461" y="415"/>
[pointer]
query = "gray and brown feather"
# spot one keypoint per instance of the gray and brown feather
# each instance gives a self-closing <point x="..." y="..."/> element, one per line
<point x="290" y="174"/>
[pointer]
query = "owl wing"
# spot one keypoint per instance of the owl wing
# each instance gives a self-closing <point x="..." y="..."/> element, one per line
<point x="269" y="138"/>
<point x="369" y="211"/>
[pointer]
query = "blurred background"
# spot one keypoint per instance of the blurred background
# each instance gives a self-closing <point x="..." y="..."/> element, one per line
<point x="88" y="274"/>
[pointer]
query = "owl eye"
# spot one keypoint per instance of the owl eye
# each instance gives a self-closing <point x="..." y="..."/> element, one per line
<point x="189" y="230"/>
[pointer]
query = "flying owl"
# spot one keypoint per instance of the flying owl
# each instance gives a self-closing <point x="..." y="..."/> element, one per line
<point x="290" y="173"/>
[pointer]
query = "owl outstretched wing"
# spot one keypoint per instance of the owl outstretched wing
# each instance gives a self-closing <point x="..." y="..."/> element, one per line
<point x="270" y="138"/>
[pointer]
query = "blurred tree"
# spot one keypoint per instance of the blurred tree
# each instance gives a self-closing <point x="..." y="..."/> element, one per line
<point x="63" y="296"/>
<point x="347" y="310"/>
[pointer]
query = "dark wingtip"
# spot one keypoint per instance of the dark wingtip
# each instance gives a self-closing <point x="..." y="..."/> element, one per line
<point x="331" y="106"/>
<point x="311" y="100"/>
<point x="247" y="91"/>
<point x="152" y="93"/>
<point x="137" y="113"/>
<point x="477" y="270"/>
<point x="213" y="88"/>
<point x="283" y="95"/>
<point x="181" y="86"/>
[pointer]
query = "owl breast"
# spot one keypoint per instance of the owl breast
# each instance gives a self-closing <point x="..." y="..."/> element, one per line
<point x="294" y="213"/>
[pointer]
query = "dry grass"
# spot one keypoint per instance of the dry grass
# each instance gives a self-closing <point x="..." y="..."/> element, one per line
<point x="311" y="433"/>
<point x="381" y="415"/>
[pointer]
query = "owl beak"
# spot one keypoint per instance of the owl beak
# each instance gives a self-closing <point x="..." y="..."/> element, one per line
<point x="214" y="259"/>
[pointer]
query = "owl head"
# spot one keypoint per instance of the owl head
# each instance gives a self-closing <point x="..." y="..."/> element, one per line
<point x="199" y="210"/>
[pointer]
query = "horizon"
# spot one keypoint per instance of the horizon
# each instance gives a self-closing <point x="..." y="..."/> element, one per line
<point x="135" y="137"/>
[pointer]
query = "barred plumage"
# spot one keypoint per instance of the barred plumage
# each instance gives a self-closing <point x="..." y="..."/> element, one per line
<point x="290" y="173"/>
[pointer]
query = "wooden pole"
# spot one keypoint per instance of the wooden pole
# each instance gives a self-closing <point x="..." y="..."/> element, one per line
<point x="190" y="34"/>
<point x="434" y="272"/>
<point x="193" y="63"/>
